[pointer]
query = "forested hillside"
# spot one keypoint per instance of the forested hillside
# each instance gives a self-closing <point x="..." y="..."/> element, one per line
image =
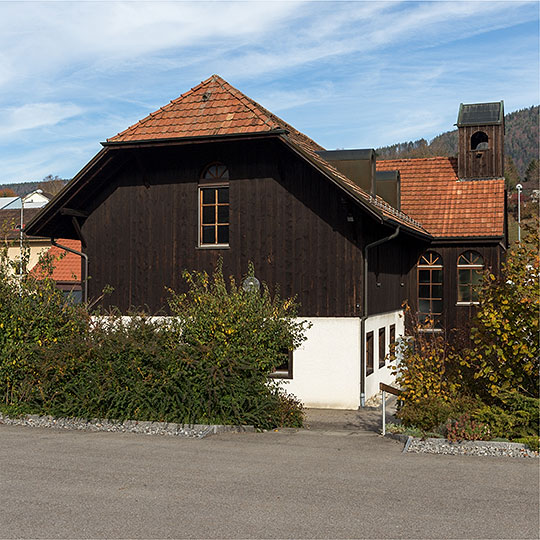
<point x="520" y="142"/>
<point x="50" y="184"/>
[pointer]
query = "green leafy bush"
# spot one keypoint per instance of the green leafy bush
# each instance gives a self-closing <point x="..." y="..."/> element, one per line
<point x="505" y="355"/>
<point x="209" y="363"/>
<point x="432" y="412"/>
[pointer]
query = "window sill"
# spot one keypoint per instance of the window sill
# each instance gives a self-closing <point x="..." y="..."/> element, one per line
<point x="214" y="246"/>
<point x="467" y="303"/>
<point x="281" y="375"/>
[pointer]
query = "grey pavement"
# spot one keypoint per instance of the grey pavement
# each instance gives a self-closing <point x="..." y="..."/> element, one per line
<point x="334" y="483"/>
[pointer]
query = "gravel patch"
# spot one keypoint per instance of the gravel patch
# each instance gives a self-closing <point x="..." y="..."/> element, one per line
<point x="197" y="431"/>
<point x="468" y="448"/>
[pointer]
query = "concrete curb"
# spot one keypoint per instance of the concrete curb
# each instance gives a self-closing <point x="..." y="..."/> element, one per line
<point x="128" y="426"/>
<point x="434" y="445"/>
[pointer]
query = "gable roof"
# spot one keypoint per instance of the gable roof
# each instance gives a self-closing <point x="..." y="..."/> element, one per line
<point x="446" y="206"/>
<point x="214" y="108"/>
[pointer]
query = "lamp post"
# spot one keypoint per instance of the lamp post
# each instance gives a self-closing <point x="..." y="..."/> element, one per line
<point x="21" y="240"/>
<point x="519" y="187"/>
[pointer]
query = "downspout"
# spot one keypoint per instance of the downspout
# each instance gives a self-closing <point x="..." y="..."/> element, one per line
<point x="365" y="314"/>
<point x="83" y="256"/>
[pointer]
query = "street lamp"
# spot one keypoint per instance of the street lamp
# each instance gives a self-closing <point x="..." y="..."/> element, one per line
<point x="519" y="187"/>
<point x="21" y="240"/>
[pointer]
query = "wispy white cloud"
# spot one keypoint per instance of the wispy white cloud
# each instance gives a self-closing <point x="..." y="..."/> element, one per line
<point x="347" y="73"/>
<point x="35" y="115"/>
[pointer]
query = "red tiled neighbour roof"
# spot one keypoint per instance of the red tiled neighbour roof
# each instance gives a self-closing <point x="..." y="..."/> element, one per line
<point x="67" y="266"/>
<point x="432" y="194"/>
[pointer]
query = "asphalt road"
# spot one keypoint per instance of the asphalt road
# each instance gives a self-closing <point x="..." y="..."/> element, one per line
<point x="308" y="484"/>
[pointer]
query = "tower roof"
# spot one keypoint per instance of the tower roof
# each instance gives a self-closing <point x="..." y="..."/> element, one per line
<point x="480" y="114"/>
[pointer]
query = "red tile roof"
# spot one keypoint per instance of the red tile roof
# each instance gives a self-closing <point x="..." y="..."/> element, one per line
<point x="67" y="266"/>
<point x="214" y="107"/>
<point x="432" y="194"/>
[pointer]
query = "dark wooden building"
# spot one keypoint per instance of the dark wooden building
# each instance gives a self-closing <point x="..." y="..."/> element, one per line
<point x="215" y="175"/>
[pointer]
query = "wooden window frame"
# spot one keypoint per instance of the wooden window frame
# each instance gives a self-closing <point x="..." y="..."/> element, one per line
<point x="392" y="338"/>
<point x="437" y="317"/>
<point x="216" y="204"/>
<point x="382" y="357"/>
<point x="370" y="354"/>
<point x="471" y="267"/>
<point x="284" y="373"/>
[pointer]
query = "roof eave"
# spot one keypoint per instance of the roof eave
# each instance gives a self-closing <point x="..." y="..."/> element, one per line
<point x="189" y="140"/>
<point x="50" y="209"/>
<point x="364" y="204"/>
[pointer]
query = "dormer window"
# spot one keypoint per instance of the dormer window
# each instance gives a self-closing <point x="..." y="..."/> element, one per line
<point x="214" y="207"/>
<point x="479" y="141"/>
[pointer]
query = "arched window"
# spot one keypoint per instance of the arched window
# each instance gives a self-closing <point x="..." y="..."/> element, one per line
<point x="479" y="141"/>
<point x="430" y="289"/>
<point x="469" y="267"/>
<point x="216" y="171"/>
<point x="214" y="206"/>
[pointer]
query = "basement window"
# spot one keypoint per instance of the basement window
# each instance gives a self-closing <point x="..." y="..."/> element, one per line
<point x="285" y="369"/>
<point x="214" y="207"/>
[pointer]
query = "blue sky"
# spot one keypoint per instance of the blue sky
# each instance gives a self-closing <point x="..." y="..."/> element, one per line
<point x="348" y="74"/>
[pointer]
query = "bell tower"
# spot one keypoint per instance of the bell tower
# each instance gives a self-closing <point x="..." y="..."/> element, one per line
<point x="480" y="140"/>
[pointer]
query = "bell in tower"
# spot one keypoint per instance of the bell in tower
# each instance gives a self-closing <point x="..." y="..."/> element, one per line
<point x="480" y="140"/>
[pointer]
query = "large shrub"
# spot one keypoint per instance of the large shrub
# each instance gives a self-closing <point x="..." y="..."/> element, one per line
<point x="505" y="352"/>
<point x="34" y="316"/>
<point x="209" y="363"/>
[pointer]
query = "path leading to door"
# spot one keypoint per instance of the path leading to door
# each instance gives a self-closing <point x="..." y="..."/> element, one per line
<point x="367" y="419"/>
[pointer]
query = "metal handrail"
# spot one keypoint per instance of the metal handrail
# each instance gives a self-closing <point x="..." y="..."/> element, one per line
<point x="391" y="390"/>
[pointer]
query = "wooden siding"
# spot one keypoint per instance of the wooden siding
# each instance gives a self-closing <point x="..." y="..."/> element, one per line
<point x="284" y="217"/>
<point x="481" y="163"/>
<point x="455" y="316"/>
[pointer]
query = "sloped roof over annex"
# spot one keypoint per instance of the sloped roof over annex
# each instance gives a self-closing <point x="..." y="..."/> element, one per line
<point x="447" y="207"/>
<point x="211" y="110"/>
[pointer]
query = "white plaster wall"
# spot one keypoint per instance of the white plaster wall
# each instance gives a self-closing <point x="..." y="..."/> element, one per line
<point x="383" y="374"/>
<point x="326" y="367"/>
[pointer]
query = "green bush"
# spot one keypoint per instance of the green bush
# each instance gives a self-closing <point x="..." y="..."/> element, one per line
<point x="505" y="355"/>
<point x="209" y="363"/>
<point x="432" y="412"/>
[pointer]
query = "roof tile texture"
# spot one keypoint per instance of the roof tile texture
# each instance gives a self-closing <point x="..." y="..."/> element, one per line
<point x="67" y="266"/>
<point x="432" y="194"/>
<point x="214" y="107"/>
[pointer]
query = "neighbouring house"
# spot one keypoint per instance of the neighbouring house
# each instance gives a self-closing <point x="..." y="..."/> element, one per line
<point x="10" y="231"/>
<point x="66" y="265"/>
<point x="66" y="268"/>
<point x="34" y="199"/>
<point x="214" y="175"/>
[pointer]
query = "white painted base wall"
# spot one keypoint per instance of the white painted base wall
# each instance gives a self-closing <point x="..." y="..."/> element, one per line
<point x="326" y="367"/>
<point x="382" y="374"/>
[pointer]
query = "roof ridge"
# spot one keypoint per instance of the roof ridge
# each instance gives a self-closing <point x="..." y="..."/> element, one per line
<point x="234" y="91"/>
<point x="431" y="158"/>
